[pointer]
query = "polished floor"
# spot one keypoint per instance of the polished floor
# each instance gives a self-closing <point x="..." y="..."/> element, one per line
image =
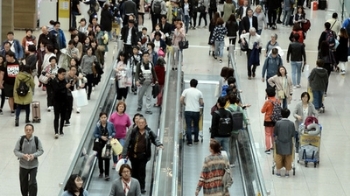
<point x="332" y="177"/>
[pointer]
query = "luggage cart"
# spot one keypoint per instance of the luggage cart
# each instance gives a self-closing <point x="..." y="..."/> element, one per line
<point x="274" y="156"/>
<point x="200" y="126"/>
<point x="310" y="144"/>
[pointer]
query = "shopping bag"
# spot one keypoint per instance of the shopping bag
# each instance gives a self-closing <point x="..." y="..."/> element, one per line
<point x="80" y="97"/>
<point x="116" y="146"/>
<point x="122" y="162"/>
<point x="183" y="44"/>
<point x="106" y="151"/>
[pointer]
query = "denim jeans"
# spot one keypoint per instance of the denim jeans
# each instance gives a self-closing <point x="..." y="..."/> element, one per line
<point x="219" y="48"/>
<point x="284" y="103"/>
<point x="189" y="118"/>
<point x="296" y="72"/>
<point x="317" y="101"/>
<point x="286" y="16"/>
<point x="25" y="107"/>
<point x="187" y="22"/>
<point x="225" y="144"/>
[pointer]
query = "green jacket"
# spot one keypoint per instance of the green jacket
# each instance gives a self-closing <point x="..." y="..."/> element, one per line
<point x="24" y="100"/>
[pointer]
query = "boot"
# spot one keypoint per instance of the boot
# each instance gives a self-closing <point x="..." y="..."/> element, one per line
<point x="16" y="122"/>
<point x="27" y="120"/>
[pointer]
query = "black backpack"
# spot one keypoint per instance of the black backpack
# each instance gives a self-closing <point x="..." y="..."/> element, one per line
<point x="157" y="7"/>
<point x="225" y="124"/>
<point x="36" y="140"/>
<point x="23" y="88"/>
<point x="237" y="118"/>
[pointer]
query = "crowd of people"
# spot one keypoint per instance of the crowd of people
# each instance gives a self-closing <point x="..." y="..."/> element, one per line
<point x="62" y="67"/>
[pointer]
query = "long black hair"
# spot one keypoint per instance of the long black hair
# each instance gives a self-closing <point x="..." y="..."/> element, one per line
<point x="125" y="57"/>
<point x="71" y="187"/>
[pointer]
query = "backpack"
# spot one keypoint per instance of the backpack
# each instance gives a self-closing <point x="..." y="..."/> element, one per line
<point x="237" y="118"/>
<point x="225" y="124"/>
<point x="330" y="38"/>
<point x="23" y="88"/>
<point x="306" y="26"/>
<point x="212" y="5"/>
<point x="223" y="90"/>
<point x="22" y="140"/>
<point x="157" y="7"/>
<point x="276" y="111"/>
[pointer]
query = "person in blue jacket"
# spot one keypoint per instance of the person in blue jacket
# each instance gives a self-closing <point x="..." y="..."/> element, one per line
<point x="104" y="131"/>
<point x="153" y="56"/>
<point x="59" y="35"/>
<point x="271" y="65"/>
<point x="16" y="46"/>
<point x="74" y="186"/>
<point x="346" y="25"/>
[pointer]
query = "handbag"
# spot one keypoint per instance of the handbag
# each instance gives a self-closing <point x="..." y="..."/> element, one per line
<point x="106" y="151"/>
<point x="97" y="145"/>
<point x="43" y="78"/>
<point x="244" y="46"/>
<point x="161" y="53"/>
<point x="183" y="44"/>
<point x="116" y="146"/>
<point x="281" y="94"/>
<point x="80" y="97"/>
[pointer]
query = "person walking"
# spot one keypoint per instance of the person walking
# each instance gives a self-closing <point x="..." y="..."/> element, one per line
<point x="260" y="15"/>
<point x="121" y="122"/>
<point x="50" y="72"/>
<point x="138" y="147"/>
<point x="160" y="72"/>
<point x="60" y="88"/>
<point x="28" y="148"/>
<point x="74" y="186"/>
<point x="296" y="52"/>
<point x="271" y="44"/>
<point x="192" y="98"/>
<point x="250" y="39"/>
<point x="287" y="11"/>
<point x="342" y="50"/>
<point x="284" y="132"/>
<point x="145" y="77"/>
<point x="335" y="23"/>
<point x="232" y="28"/>
<point x="121" y="76"/>
<point x="23" y="98"/>
<point x="283" y="85"/>
<point x="125" y="184"/>
<point x="326" y="54"/>
<point x="218" y="37"/>
<point x="213" y="171"/>
<point x="179" y="35"/>
<point x="267" y="109"/>
<point x="271" y="65"/>
<point x="318" y="80"/>
<point x="87" y="62"/>
<point x="104" y="131"/>
<point x="229" y="8"/>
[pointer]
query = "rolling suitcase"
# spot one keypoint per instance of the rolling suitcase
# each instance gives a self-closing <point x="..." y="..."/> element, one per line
<point x="36" y="111"/>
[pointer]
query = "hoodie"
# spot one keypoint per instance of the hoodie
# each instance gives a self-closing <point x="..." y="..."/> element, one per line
<point x="318" y="79"/>
<point x="271" y="66"/>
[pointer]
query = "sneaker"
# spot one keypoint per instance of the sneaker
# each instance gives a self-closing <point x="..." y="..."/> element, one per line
<point x="148" y="112"/>
<point x="195" y="143"/>
<point x="267" y="152"/>
<point x="139" y="109"/>
<point x="78" y="110"/>
<point x="342" y="72"/>
<point x="298" y="86"/>
<point x="12" y="113"/>
<point x="56" y="136"/>
<point x="114" y="165"/>
<point x="189" y="144"/>
<point x="232" y="165"/>
<point x="106" y="178"/>
<point x="100" y="176"/>
<point x="278" y="175"/>
<point x="249" y="77"/>
<point x="220" y="60"/>
<point x="286" y="175"/>
<point x="67" y="123"/>
<point x="61" y="133"/>
<point x="294" y="87"/>
<point x="49" y="109"/>
<point x="143" y="191"/>
<point x="205" y="26"/>
<point x="325" y="94"/>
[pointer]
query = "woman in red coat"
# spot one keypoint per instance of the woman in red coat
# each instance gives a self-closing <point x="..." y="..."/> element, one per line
<point x="160" y="72"/>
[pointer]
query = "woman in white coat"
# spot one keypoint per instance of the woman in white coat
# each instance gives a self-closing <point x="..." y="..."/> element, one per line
<point x="283" y="85"/>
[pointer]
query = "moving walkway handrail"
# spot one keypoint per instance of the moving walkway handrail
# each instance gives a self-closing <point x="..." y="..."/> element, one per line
<point x="92" y="121"/>
<point x="259" y="175"/>
<point x="157" y="161"/>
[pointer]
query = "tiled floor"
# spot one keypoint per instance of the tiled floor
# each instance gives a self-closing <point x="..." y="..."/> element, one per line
<point x="331" y="177"/>
<point x="58" y="154"/>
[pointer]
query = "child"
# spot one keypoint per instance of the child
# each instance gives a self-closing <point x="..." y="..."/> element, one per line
<point x="267" y="109"/>
<point x="160" y="72"/>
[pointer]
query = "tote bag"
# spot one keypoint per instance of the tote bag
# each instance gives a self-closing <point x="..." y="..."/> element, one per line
<point x="116" y="146"/>
<point x="80" y="97"/>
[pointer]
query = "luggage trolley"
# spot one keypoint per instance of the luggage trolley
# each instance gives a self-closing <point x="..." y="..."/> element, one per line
<point x="310" y="144"/>
<point x="274" y="156"/>
<point x="200" y="126"/>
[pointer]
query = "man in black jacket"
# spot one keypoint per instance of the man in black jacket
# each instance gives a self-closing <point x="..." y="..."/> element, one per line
<point x="272" y="6"/>
<point x="130" y="8"/>
<point x="221" y="125"/>
<point x="130" y="37"/>
<point x="138" y="149"/>
<point x="166" y="27"/>
<point x="47" y="37"/>
<point x="296" y="52"/>
<point x="248" y="22"/>
<point x="60" y="89"/>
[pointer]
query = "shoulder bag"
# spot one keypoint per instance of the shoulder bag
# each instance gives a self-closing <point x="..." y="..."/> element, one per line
<point x="183" y="44"/>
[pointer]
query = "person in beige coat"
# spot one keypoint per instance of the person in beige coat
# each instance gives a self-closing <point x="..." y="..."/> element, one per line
<point x="23" y="102"/>
<point x="283" y="85"/>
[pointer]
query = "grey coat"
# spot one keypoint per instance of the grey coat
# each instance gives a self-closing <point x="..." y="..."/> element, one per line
<point x="284" y="133"/>
<point x="117" y="188"/>
<point x="28" y="147"/>
<point x="299" y="111"/>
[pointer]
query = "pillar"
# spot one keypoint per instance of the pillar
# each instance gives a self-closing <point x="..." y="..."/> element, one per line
<point x="6" y="18"/>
